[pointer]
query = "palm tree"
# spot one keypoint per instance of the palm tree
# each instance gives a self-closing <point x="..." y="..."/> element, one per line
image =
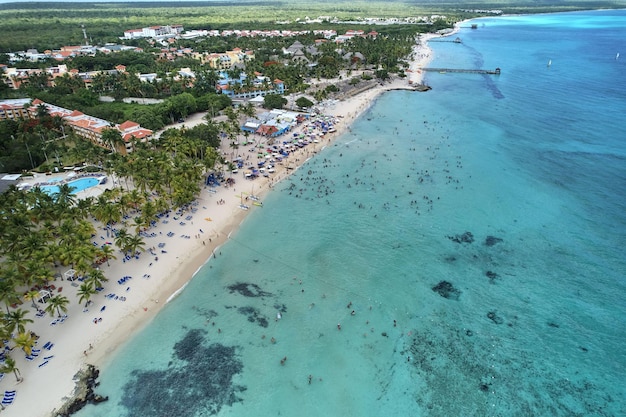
<point x="32" y="296"/>
<point x="64" y="197"/>
<point x="138" y="222"/>
<point x="9" y="366"/>
<point x="112" y="138"/>
<point x="57" y="304"/>
<point x="16" y="320"/>
<point x="135" y="243"/>
<point x="5" y="336"/>
<point x="34" y="270"/>
<point x="8" y="295"/>
<point x="85" y="291"/>
<point x="107" y="253"/>
<point x="25" y="341"/>
<point x="83" y="206"/>
<point x="122" y="239"/>
<point x="95" y="279"/>
<point x="83" y="256"/>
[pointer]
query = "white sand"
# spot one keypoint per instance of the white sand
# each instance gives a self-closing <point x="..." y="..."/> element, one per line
<point x="78" y="340"/>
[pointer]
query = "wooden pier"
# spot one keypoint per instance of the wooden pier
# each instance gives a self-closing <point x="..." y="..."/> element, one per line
<point x="457" y="40"/>
<point x="468" y="71"/>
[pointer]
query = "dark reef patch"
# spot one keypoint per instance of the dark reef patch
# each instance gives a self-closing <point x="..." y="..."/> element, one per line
<point x="198" y="381"/>
<point x="254" y="316"/>
<point x="447" y="290"/>
<point x="466" y="237"/>
<point x="494" y="317"/>
<point x="492" y="276"/>
<point x="248" y="290"/>
<point x="492" y="240"/>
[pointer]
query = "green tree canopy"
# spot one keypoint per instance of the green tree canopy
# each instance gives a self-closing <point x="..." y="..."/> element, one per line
<point x="274" y="101"/>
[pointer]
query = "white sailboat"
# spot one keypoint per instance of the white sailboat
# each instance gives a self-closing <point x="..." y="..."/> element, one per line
<point x="549" y="62"/>
<point x="253" y="197"/>
<point x="617" y="56"/>
<point x="241" y="205"/>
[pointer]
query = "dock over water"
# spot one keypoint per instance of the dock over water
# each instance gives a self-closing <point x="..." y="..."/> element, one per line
<point x="468" y="71"/>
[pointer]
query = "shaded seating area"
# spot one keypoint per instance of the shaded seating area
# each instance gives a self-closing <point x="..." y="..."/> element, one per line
<point x="70" y="274"/>
<point x="44" y="296"/>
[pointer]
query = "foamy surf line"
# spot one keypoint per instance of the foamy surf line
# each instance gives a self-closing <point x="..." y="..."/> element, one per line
<point x="178" y="291"/>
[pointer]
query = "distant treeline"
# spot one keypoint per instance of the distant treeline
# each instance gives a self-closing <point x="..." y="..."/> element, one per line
<point x="137" y="5"/>
<point x="52" y="25"/>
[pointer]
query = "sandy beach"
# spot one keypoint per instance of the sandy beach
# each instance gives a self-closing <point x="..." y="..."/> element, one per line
<point x="175" y="249"/>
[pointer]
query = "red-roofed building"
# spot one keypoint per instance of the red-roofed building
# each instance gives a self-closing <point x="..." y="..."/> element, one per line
<point x="83" y="125"/>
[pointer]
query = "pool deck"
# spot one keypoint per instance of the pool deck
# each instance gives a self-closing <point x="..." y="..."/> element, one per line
<point x="63" y="177"/>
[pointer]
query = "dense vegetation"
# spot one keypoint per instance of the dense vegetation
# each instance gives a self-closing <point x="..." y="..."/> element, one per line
<point x="52" y="25"/>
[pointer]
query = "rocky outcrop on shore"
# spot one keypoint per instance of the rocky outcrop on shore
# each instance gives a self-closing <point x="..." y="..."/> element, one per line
<point x="83" y="393"/>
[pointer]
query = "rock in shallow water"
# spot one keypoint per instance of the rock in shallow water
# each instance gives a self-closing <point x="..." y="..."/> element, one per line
<point x="466" y="237"/>
<point x="83" y="393"/>
<point x="447" y="290"/>
<point x="492" y="240"/>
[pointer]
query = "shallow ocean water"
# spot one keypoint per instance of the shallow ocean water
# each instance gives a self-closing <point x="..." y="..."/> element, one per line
<point x="476" y="231"/>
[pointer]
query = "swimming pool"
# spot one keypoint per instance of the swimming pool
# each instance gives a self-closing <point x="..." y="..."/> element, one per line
<point x="78" y="185"/>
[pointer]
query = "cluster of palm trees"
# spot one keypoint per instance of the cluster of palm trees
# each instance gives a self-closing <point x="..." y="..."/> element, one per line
<point x="41" y="232"/>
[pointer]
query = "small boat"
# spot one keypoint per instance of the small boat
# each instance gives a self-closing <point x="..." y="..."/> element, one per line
<point x="617" y="56"/>
<point x="258" y="204"/>
<point x="549" y="62"/>
<point x="278" y="316"/>
<point x="241" y="205"/>
<point x="252" y="196"/>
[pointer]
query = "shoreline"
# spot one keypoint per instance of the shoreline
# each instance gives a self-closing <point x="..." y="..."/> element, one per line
<point x="162" y="273"/>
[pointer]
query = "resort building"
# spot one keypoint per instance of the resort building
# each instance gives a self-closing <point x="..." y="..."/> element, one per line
<point x="14" y="109"/>
<point x="91" y="128"/>
<point x="154" y="32"/>
<point x="226" y="60"/>
<point x="244" y="87"/>
<point x="83" y="125"/>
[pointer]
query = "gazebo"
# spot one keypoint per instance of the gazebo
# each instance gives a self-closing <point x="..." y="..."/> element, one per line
<point x="70" y="274"/>
<point x="43" y="296"/>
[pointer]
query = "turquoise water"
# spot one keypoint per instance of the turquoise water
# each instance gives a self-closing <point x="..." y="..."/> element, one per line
<point x="80" y="184"/>
<point x="476" y="231"/>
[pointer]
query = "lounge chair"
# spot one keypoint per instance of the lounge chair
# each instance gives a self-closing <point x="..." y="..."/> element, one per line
<point x="9" y="396"/>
